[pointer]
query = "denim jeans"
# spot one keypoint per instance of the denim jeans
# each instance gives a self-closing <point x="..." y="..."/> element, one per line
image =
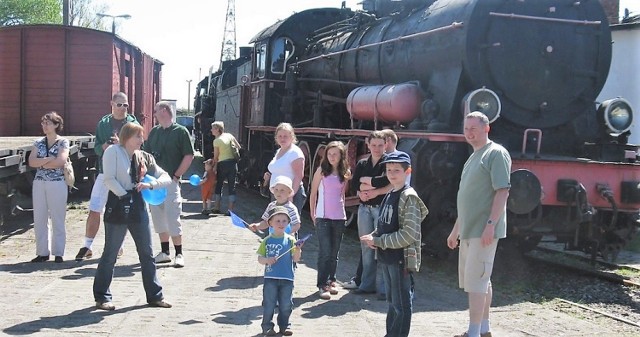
<point x="280" y="293"/>
<point x="114" y="234"/>
<point x="399" y="287"/>
<point x="329" y="234"/>
<point x="299" y="198"/>
<point x="367" y="223"/>
<point x="227" y="170"/>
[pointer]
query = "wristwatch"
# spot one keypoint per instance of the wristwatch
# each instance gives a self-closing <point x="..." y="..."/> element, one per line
<point x="151" y="186"/>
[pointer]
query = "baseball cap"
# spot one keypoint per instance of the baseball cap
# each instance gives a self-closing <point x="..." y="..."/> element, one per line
<point x="278" y="210"/>
<point x="283" y="180"/>
<point x="396" y="157"/>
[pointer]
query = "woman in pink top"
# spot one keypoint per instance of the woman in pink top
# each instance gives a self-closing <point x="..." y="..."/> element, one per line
<point x="328" y="214"/>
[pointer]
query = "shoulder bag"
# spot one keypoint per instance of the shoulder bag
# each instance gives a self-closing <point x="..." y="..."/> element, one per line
<point x="127" y="209"/>
<point x="235" y="148"/>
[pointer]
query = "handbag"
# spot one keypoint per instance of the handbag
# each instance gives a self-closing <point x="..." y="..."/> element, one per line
<point x="235" y="148"/>
<point x="125" y="210"/>
<point x="69" y="175"/>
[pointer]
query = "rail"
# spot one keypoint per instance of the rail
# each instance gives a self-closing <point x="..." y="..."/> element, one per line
<point x="435" y="137"/>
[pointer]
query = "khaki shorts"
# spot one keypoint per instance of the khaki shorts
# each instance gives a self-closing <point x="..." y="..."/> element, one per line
<point x="166" y="216"/>
<point x="99" y="195"/>
<point x="475" y="264"/>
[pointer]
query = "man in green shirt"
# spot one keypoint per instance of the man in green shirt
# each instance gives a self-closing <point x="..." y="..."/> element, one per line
<point x="106" y="134"/>
<point x="171" y="146"/>
<point x="482" y="202"/>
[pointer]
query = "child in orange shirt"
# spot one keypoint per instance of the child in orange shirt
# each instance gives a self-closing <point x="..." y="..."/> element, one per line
<point x="207" y="185"/>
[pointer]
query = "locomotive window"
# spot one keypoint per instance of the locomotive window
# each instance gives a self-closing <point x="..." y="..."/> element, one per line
<point x="261" y="59"/>
<point x="281" y="51"/>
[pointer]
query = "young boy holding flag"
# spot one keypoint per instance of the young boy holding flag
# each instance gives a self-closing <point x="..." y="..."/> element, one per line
<point x="278" y="252"/>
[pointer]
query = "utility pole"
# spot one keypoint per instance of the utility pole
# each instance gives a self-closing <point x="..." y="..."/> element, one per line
<point x="188" y="97"/>
<point x="228" y="49"/>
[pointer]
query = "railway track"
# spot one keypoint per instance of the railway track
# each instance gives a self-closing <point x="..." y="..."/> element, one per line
<point x="625" y="275"/>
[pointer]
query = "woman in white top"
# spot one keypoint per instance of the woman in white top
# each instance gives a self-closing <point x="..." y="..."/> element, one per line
<point x="289" y="162"/>
<point x="49" y="154"/>
<point x="123" y="177"/>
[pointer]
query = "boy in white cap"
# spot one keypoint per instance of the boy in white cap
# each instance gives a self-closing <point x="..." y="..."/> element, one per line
<point x="282" y="190"/>
<point x="278" y="252"/>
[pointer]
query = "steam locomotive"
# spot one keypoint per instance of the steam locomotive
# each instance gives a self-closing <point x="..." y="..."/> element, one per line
<point x="534" y="68"/>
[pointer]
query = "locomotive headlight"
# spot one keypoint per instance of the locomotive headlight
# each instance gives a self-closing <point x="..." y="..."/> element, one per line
<point x="483" y="100"/>
<point x="616" y="114"/>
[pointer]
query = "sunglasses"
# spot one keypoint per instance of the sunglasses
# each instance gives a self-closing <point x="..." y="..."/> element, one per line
<point x="120" y="105"/>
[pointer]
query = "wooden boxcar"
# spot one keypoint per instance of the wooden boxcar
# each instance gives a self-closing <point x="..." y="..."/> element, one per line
<point x="73" y="71"/>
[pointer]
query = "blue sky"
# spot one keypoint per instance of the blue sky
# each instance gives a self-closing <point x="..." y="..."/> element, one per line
<point x="186" y="35"/>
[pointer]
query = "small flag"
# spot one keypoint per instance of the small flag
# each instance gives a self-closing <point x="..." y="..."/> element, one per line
<point x="237" y="221"/>
<point x="301" y="241"/>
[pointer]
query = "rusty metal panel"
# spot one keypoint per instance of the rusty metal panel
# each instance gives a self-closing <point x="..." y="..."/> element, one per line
<point x="43" y="74"/>
<point x="88" y="80"/>
<point x="10" y="83"/>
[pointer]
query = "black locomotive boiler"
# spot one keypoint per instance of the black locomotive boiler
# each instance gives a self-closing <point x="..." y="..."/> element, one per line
<point x="418" y="66"/>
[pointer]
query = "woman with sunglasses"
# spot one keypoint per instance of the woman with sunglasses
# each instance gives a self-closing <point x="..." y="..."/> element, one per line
<point x="48" y="156"/>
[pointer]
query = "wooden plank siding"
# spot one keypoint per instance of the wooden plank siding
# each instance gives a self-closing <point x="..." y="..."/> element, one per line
<point x="73" y="71"/>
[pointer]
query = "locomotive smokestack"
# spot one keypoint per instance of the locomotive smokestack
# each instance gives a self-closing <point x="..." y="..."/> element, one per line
<point x="612" y="9"/>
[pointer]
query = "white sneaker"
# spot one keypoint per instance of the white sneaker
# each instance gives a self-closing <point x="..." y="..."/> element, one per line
<point x="179" y="261"/>
<point x="350" y="285"/>
<point x="162" y="258"/>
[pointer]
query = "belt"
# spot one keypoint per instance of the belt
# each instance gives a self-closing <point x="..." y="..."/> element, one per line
<point x="370" y="206"/>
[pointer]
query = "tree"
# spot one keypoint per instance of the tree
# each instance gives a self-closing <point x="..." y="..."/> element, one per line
<point x="21" y="12"/>
<point x="82" y="13"/>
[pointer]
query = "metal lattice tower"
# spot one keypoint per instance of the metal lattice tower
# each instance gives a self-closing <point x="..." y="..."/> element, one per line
<point x="228" y="50"/>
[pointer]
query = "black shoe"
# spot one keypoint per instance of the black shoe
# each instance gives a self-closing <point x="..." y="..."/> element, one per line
<point x="40" y="259"/>
<point x="84" y="253"/>
<point x="362" y="292"/>
<point x="215" y="211"/>
<point x="205" y="212"/>
<point x="59" y="259"/>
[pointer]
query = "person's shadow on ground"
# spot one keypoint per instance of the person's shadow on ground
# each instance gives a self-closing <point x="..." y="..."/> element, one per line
<point x="236" y="282"/>
<point x="77" y="318"/>
<point x="243" y="316"/>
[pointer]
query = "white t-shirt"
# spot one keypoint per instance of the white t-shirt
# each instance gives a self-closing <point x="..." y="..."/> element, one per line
<point x="282" y="166"/>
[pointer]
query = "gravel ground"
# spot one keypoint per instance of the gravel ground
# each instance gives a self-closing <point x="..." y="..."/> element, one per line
<point x="523" y="288"/>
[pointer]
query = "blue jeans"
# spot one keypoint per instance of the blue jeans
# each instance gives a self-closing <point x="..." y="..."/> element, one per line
<point x="226" y="170"/>
<point x="299" y="198"/>
<point x="113" y="237"/>
<point x="367" y="223"/>
<point x="399" y="286"/>
<point x="280" y="293"/>
<point x="329" y="234"/>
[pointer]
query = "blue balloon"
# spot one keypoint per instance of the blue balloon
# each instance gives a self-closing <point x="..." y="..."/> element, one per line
<point x="156" y="196"/>
<point x="195" y="180"/>
<point x="286" y="230"/>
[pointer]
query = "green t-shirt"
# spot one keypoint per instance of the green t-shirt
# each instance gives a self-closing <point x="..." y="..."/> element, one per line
<point x="223" y="143"/>
<point x="169" y="146"/>
<point x="486" y="171"/>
